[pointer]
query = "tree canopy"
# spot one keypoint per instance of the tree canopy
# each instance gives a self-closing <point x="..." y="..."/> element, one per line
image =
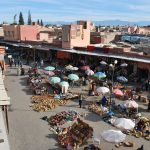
<point x="29" y="18"/>
<point x="21" y="20"/>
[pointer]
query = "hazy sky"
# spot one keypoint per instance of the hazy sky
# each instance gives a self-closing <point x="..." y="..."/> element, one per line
<point x="72" y="10"/>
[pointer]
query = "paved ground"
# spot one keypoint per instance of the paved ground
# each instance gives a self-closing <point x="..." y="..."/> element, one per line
<point x="29" y="132"/>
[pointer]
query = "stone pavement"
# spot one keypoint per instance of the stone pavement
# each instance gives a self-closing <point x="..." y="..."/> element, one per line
<point x="29" y="132"/>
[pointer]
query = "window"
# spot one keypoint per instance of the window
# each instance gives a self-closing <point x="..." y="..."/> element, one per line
<point x="8" y="33"/>
<point x="78" y="31"/>
<point x="5" y="33"/>
<point x="12" y="33"/>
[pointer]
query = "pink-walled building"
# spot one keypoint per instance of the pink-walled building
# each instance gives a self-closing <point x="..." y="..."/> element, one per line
<point x="20" y="32"/>
<point x="76" y="35"/>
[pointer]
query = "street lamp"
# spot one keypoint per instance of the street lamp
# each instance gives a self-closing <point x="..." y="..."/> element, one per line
<point x="30" y="46"/>
<point x="110" y="87"/>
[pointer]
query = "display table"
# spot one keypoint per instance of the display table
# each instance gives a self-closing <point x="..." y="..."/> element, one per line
<point x="3" y="134"/>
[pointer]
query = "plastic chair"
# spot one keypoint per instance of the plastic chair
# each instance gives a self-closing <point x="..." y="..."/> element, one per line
<point x="95" y="139"/>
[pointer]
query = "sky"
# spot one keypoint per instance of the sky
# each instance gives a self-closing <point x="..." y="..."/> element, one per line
<point x="72" y="10"/>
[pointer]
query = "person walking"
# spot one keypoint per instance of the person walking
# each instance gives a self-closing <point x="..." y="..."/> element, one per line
<point x="42" y="63"/>
<point x="80" y="100"/>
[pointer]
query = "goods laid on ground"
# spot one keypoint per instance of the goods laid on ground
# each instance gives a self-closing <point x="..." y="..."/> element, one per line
<point x="95" y="108"/>
<point x="91" y="147"/>
<point x="76" y="135"/>
<point x="71" y="96"/>
<point x="37" y="99"/>
<point x="46" y="102"/>
<point x="45" y="105"/>
<point x="142" y="129"/>
<point x="63" y="117"/>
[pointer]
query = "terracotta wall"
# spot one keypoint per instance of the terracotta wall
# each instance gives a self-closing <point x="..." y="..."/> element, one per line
<point x="28" y="32"/>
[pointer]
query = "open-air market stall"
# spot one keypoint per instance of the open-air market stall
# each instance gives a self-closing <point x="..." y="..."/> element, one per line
<point x="76" y="135"/>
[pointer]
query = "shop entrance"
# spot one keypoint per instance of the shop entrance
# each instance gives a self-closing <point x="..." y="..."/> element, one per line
<point x="142" y="73"/>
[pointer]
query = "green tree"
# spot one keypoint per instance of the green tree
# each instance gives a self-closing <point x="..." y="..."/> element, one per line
<point x="41" y="22"/>
<point x="38" y="22"/>
<point x="21" y="20"/>
<point x="29" y="18"/>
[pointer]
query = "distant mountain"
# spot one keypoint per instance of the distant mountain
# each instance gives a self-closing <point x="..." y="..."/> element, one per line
<point x="121" y="22"/>
<point x="105" y="22"/>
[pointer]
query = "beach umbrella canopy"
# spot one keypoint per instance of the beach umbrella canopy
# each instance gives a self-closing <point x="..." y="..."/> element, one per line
<point x="113" y="136"/>
<point x="103" y="90"/>
<point x="118" y="92"/>
<point x="130" y="104"/>
<point x="103" y="63"/>
<point x="64" y="83"/>
<point x="73" y="77"/>
<point x="89" y="72"/>
<point x="122" y="79"/>
<point x="50" y="73"/>
<point x="49" y="68"/>
<point x="124" y="65"/>
<point x="54" y="80"/>
<point x="85" y="68"/>
<point x="124" y="123"/>
<point x="99" y="75"/>
<point x="69" y="67"/>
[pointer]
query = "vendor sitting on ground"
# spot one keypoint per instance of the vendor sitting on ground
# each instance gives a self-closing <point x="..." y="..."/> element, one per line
<point x="103" y="101"/>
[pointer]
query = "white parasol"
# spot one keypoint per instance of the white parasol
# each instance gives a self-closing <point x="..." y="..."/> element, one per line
<point x="113" y="136"/>
<point x="124" y="123"/>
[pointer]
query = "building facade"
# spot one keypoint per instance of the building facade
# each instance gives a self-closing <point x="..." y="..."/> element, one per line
<point x="20" y="32"/>
<point x="76" y="35"/>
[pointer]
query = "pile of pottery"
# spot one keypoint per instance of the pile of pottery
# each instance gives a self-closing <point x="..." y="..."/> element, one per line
<point x="144" y="126"/>
<point x="76" y="135"/>
<point x="95" y="108"/>
<point x="63" y="117"/>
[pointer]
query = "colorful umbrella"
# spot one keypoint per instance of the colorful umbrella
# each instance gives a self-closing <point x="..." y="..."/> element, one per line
<point x="130" y="104"/>
<point x="122" y="79"/>
<point x="50" y="73"/>
<point x="113" y="136"/>
<point x="49" y="68"/>
<point x="85" y="68"/>
<point x="73" y="77"/>
<point x="54" y="80"/>
<point x="69" y="67"/>
<point x="103" y="63"/>
<point x="89" y="72"/>
<point x="117" y="92"/>
<point x="124" y="123"/>
<point x="64" y="83"/>
<point x="99" y="75"/>
<point x="124" y="65"/>
<point x="74" y="68"/>
<point x="103" y="90"/>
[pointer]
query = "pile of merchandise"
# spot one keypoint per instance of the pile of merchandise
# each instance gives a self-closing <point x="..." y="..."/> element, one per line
<point x="95" y="108"/>
<point x="63" y="117"/>
<point x="91" y="147"/>
<point x="45" y="103"/>
<point x="76" y="135"/>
